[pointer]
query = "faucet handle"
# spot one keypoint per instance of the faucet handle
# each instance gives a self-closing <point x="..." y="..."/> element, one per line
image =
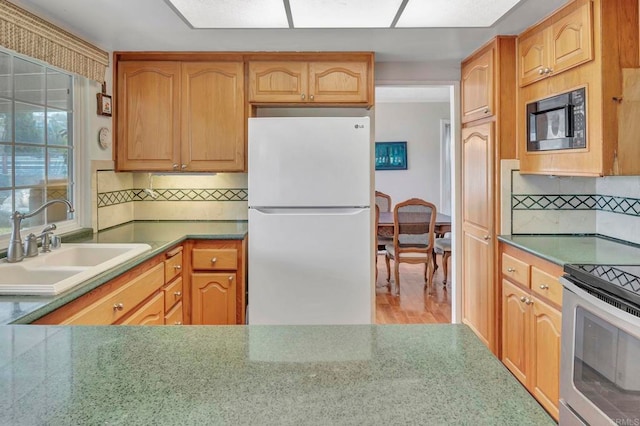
<point x="49" y="228"/>
<point x="56" y="242"/>
<point x="31" y="245"/>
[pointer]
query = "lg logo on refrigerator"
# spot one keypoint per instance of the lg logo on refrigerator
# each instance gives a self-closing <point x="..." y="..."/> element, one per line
<point x="359" y="126"/>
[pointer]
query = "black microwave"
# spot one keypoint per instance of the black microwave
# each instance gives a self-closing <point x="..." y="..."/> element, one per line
<point x="557" y="122"/>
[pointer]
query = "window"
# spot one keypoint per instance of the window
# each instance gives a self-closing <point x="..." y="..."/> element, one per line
<point x="36" y="140"/>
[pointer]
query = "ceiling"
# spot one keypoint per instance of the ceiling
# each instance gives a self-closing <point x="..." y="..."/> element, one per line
<point x="139" y="25"/>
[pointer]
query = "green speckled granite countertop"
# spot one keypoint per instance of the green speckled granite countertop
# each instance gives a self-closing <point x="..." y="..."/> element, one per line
<point x="266" y="375"/>
<point x="159" y="235"/>
<point x="561" y="249"/>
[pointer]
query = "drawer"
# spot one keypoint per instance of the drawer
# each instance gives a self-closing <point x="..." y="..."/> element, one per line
<point x="516" y="270"/>
<point x="214" y="259"/>
<point x="173" y="294"/>
<point x="173" y="264"/>
<point x="119" y="303"/>
<point x="174" y="317"/>
<point x="151" y="313"/>
<point x="546" y="285"/>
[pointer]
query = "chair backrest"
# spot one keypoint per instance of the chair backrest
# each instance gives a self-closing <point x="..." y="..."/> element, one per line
<point x="414" y="223"/>
<point x="383" y="201"/>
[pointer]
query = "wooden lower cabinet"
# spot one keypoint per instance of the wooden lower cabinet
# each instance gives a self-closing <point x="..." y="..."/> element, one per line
<point x="151" y="313"/>
<point x="213" y="298"/>
<point x="531" y="324"/>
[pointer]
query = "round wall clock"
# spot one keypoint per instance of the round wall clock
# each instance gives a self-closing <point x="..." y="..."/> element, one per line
<point x="104" y="137"/>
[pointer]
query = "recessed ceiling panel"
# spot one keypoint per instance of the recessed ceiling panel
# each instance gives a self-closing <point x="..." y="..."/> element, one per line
<point x="453" y="13"/>
<point x="343" y="13"/>
<point x="233" y="13"/>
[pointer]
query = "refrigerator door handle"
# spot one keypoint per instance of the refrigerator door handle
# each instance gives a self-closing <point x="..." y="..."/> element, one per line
<point x="331" y="211"/>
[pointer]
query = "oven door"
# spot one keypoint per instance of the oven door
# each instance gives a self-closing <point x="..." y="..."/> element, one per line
<point x="600" y="369"/>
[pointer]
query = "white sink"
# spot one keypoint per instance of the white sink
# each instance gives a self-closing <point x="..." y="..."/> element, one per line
<point x="61" y="269"/>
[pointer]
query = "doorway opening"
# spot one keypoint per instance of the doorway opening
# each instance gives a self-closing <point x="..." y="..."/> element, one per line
<point x="420" y="115"/>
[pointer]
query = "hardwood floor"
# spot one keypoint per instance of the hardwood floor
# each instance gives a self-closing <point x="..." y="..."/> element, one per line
<point x="414" y="305"/>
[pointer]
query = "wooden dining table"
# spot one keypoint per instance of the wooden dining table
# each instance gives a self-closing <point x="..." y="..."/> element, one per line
<point x="385" y="224"/>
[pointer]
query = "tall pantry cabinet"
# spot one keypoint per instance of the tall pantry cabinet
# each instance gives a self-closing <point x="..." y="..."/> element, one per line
<point x="488" y="135"/>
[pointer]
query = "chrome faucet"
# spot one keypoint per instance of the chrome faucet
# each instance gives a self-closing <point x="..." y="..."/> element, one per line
<point x="15" y="252"/>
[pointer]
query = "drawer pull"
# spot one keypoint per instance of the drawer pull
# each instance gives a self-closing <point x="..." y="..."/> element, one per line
<point x="177" y="267"/>
<point x="177" y="294"/>
<point x="544" y="287"/>
<point x="118" y="306"/>
<point x="230" y="277"/>
<point x="214" y="260"/>
<point x="511" y="270"/>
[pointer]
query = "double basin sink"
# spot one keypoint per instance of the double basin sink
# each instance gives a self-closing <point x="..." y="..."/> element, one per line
<point x="64" y="268"/>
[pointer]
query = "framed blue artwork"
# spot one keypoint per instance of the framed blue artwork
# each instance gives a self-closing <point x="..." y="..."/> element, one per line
<point x="391" y="156"/>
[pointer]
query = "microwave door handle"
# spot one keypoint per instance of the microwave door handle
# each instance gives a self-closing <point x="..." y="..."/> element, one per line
<point x="568" y="121"/>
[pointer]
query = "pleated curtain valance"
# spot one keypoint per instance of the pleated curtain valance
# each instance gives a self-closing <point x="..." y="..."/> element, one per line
<point x="30" y="35"/>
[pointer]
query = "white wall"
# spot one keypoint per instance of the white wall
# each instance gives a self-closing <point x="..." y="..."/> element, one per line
<point x="419" y="125"/>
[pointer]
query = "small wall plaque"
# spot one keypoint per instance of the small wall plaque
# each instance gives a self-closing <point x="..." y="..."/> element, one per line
<point x="391" y="155"/>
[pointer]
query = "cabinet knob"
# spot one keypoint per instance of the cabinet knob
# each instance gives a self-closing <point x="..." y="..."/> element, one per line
<point x="230" y="277"/>
<point x="523" y="299"/>
<point x="541" y="71"/>
<point x="311" y="97"/>
<point x="118" y="306"/>
<point x="548" y="70"/>
<point x="214" y="260"/>
<point x="544" y="287"/>
<point x="486" y="110"/>
<point x="184" y="166"/>
<point x="511" y="270"/>
<point x="177" y="267"/>
<point x="486" y="237"/>
<point x="175" y="166"/>
<point x="303" y="96"/>
<point x="528" y="301"/>
<point x="177" y="294"/>
<point x="178" y="323"/>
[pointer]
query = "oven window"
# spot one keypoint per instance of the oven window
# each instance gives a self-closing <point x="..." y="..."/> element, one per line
<point x="607" y="368"/>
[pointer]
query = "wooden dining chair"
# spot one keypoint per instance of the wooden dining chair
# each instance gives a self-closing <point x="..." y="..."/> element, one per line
<point x="383" y="202"/>
<point x="443" y="248"/>
<point x="413" y="239"/>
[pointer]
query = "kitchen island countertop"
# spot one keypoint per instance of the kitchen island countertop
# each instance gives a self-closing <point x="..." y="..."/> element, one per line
<point x="589" y="249"/>
<point x="280" y="375"/>
<point x="160" y="235"/>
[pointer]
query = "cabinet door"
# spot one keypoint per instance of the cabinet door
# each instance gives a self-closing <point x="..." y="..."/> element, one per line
<point x="478" y="289"/>
<point x="213" y="298"/>
<point x="515" y="330"/>
<point x="212" y="116"/>
<point x="278" y="82"/>
<point x="571" y="40"/>
<point x="148" y="115"/>
<point x="545" y="351"/>
<point x="477" y="87"/>
<point x="532" y="57"/>
<point x="338" y="82"/>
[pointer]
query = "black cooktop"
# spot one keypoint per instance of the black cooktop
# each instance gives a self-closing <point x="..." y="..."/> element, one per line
<point x="620" y="280"/>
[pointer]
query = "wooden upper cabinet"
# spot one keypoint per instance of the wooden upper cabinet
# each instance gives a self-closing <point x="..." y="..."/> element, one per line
<point x="212" y="116"/>
<point x="309" y="82"/>
<point x="180" y="116"/>
<point x="557" y="45"/>
<point x="278" y="81"/>
<point x="477" y="87"/>
<point x="338" y="82"/>
<point x="148" y="115"/>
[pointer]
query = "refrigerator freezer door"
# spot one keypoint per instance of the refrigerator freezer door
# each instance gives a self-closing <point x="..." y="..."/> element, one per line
<point x="309" y="162"/>
<point x="310" y="266"/>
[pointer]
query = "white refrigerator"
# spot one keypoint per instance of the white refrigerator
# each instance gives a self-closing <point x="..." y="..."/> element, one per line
<point x="310" y="226"/>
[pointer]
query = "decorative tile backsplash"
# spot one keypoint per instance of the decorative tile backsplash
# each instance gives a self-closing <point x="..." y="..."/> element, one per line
<point x="123" y="197"/>
<point x="622" y="205"/>
<point x="535" y="204"/>
<point x="127" y="195"/>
